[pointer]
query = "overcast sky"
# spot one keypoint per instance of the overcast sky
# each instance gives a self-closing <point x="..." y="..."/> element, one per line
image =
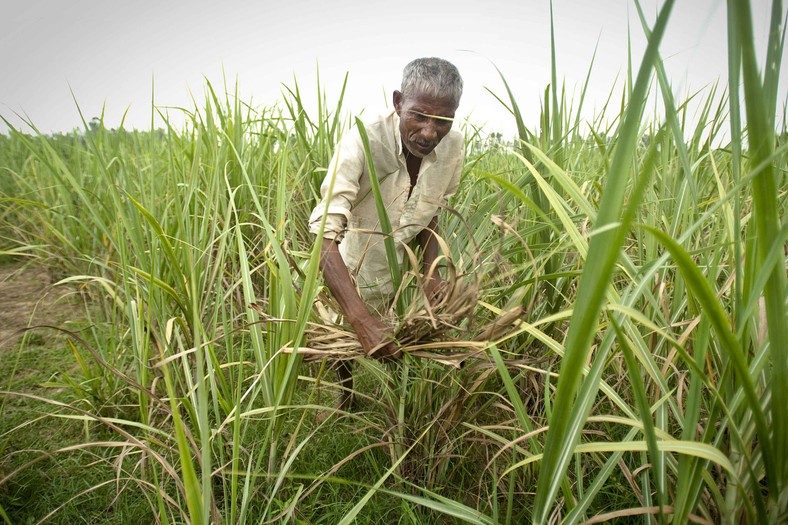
<point x="109" y="53"/>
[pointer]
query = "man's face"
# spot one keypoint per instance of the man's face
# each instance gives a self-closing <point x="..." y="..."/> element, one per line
<point x="424" y="120"/>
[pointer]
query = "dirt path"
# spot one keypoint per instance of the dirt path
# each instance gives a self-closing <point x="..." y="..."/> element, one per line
<point x="28" y="298"/>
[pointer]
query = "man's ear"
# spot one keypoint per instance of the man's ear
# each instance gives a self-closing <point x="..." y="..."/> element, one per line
<point x="397" y="99"/>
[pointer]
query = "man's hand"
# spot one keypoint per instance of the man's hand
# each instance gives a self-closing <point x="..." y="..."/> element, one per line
<point x="435" y="289"/>
<point x="376" y="338"/>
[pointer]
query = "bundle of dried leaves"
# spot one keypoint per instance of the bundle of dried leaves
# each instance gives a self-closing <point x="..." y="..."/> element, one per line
<point x="443" y="329"/>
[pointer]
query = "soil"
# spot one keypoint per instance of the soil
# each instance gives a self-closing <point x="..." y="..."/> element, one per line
<point x="29" y="298"/>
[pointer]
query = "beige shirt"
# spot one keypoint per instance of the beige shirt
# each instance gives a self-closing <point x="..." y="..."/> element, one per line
<point x="351" y="215"/>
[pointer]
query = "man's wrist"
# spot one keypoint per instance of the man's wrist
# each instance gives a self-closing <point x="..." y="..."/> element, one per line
<point x="360" y="319"/>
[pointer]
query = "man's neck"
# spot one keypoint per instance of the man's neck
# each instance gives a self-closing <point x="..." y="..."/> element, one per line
<point x="414" y="164"/>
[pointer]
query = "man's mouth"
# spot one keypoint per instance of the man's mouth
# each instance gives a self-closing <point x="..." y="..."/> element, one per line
<point x="424" y="146"/>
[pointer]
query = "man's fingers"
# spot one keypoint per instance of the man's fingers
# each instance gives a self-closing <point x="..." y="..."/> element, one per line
<point x="386" y="351"/>
<point x="436" y="291"/>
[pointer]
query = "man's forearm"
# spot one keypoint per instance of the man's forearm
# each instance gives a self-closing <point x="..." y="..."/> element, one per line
<point x="429" y="244"/>
<point x="434" y="285"/>
<point x="337" y="278"/>
<point x="375" y="337"/>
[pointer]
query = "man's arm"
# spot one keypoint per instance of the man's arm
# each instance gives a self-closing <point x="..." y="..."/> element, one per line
<point x="435" y="285"/>
<point x="375" y="337"/>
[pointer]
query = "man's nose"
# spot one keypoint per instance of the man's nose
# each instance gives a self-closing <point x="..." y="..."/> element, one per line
<point x="431" y="131"/>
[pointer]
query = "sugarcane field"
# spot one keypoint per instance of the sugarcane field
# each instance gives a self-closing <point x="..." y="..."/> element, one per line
<point x="286" y="309"/>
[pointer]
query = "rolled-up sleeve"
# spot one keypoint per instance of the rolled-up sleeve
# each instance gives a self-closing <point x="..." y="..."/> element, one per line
<point x="339" y="188"/>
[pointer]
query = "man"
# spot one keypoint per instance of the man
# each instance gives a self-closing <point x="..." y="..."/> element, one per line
<point x="418" y="160"/>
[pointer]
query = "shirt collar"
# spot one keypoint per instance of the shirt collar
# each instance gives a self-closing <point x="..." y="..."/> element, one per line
<point x="397" y="135"/>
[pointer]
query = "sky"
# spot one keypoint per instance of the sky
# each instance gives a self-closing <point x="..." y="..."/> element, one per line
<point x="121" y="57"/>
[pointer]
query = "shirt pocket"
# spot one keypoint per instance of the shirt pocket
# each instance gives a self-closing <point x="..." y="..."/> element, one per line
<point x="361" y="243"/>
<point x="418" y="216"/>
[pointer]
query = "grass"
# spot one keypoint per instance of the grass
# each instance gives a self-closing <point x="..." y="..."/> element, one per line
<point x="73" y="484"/>
<point x="644" y="379"/>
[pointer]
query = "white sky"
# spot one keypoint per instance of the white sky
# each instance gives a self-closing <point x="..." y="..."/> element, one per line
<point x="109" y="52"/>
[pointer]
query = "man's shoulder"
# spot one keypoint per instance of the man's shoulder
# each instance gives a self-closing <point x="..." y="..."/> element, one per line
<point x="453" y="143"/>
<point x="455" y="136"/>
<point x="381" y="121"/>
<point x="381" y="131"/>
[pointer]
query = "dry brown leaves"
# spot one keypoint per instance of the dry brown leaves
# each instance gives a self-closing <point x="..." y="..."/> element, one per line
<point x="444" y="330"/>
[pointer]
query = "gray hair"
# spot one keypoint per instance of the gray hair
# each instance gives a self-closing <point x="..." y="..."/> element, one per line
<point x="432" y="76"/>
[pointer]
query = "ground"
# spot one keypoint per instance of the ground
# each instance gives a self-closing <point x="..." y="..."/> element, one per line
<point x="29" y="298"/>
<point x="33" y="363"/>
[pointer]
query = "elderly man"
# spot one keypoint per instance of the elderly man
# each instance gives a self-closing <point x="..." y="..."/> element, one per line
<point x="418" y="160"/>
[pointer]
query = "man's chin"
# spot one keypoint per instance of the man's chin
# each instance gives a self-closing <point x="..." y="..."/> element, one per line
<point x="419" y="151"/>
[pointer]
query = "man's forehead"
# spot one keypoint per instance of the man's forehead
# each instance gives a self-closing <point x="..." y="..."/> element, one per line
<point x="430" y="106"/>
<point x="428" y="115"/>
